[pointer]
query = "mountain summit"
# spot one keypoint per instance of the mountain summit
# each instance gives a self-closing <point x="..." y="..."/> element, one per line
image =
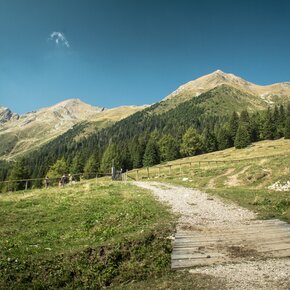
<point x="205" y="83"/>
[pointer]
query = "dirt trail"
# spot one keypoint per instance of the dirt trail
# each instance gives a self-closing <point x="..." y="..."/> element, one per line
<point x="225" y="240"/>
<point x="233" y="180"/>
<point x="211" y="183"/>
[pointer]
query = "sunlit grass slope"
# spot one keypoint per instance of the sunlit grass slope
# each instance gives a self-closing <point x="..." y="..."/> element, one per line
<point x="240" y="175"/>
<point x="89" y="235"/>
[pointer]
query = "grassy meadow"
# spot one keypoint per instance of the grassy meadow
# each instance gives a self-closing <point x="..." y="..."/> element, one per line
<point x="93" y="235"/>
<point x="86" y="236"/>
<point x="239" y="175"/>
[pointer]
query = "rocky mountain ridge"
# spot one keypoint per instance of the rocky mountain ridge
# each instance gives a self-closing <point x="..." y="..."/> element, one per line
<point x="6" y="115"/>
<point x="26" y="132"/>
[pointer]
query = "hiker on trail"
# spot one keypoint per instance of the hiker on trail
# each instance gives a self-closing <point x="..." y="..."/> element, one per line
<point x="70" y="177"/>
<point x="46" y="181"/>
<point x="62" y="181"/>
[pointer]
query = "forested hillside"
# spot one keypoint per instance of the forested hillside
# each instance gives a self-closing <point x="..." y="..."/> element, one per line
<point x="218" y="119"/>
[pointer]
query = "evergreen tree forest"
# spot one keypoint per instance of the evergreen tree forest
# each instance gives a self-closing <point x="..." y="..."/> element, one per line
<point x="148" y="138"/>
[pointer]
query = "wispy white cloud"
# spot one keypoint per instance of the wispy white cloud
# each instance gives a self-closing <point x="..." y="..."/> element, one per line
<point x="59" y="38"/>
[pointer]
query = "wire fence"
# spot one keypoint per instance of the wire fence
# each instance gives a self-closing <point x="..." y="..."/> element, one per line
<point x="174" y="168"/>
<point x="45" y="182"/>
<point x="169" y="169"/>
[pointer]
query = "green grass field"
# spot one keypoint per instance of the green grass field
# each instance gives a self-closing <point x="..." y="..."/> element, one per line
<point x="86" y="236"/>
<point x="89" y="236"/>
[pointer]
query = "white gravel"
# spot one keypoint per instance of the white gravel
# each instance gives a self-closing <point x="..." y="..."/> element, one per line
<point x="196" y="207"/>
<point x="201" y="210"/>
<point x="268" y="274"/>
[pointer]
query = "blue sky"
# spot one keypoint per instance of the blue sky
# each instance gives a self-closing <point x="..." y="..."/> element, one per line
<point x="121" y="52"/>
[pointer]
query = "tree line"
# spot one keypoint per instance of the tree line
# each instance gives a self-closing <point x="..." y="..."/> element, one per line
<point x="156" y="143"/>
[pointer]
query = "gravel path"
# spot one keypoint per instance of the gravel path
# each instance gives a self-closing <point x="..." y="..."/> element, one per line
<point x="198" y="210"/>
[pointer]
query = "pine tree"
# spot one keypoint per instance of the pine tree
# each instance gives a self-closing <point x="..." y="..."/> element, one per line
<point x="91" y="166"/>
<point x="168" y="148"/>
<point x="275" y="119"/>
<point x="19" y="171"/>
<point x="223" y="138"/>
<point x="126" y="158"/>
<point x="255" y="127"/>
<point x="77" y="165"/>
<point x="287" y="123"/>
<point x="209" y="140"/>
<point x="58" y="169"/>
<point x="281" y="121"/>
<point x="269" y="129"/>
<point x="234" y="124"/>
<point x="244" y="117"/>
<point x="242" y="139"/>
<point x="191" y="143"/>
<point x="111" y="157"/>
<point x="137" y="152"/>
<point x="151" y="155"/>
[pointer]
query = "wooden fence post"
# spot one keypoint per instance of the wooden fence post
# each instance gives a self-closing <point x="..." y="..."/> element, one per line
<point x="180" y="169"/>
<point x="26" y="185"/>
<point x="137" y="175"/>
<point x="148" y="172"/>
<point x="170" y="169"/>
<point x="159" y="171"/>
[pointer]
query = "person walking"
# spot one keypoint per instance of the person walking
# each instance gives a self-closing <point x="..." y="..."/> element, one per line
<point x="46" y="181"/>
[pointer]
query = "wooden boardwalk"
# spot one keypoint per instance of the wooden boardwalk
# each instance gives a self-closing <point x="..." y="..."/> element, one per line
<point x="252" y="241"/>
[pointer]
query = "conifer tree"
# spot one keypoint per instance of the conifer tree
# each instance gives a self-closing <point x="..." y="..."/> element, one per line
<point x="137" y="152"/>
<point x="151" y="155"/>
<point x="77" y="165"/>
<point x="242" y="139"/>
<point x="234" y="124"/>
<point x="125" y="158"/>
<point x="244" y="117"/>
<point x="168" y="148"/>
<point x="111" y="157"/>
<point x="275" y="119"/>
<point x="191" y="143"/>
<point x="19" y="171"/>
<point x="209" y="140"/>
<point x="287" y="123"/>
<point x="281" y="121"/>
<point x="58" y="169"/>
<point x="91" y="166"/>
<point x="255" y="127"/>
<point x="223" y="138"/>
<point x="269" y="129"/>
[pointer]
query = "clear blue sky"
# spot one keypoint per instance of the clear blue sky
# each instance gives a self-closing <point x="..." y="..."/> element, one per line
<point x="121" y="52"/>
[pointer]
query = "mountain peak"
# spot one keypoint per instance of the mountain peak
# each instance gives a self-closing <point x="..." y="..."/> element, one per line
<point x="217" y="78"/>
<point x="219" y="72"/>
<point x="6" y="115"/>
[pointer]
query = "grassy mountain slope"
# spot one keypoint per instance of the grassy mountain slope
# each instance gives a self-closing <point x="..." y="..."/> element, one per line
<point x="33" y="130"/>
<point x="269" y="95"/>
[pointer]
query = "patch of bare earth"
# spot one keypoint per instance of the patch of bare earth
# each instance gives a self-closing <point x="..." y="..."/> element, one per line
<point x="226" y="241"/>
<point x="212" y="181"/>
<point x="233" y="180"/>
